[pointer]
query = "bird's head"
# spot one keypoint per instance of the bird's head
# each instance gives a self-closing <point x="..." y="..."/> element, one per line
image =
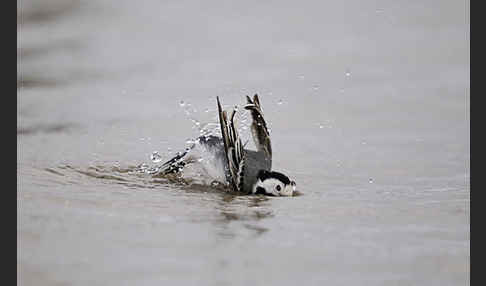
<point x="273" y="183"/>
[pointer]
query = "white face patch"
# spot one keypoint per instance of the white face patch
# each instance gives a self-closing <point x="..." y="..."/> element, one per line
<point x="288" y="191"/>
<point x="274" y="187"/>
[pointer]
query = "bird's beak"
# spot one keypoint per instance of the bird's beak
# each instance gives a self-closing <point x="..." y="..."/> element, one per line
<point x="294" y="185"/>
<point x="289" y="189"/>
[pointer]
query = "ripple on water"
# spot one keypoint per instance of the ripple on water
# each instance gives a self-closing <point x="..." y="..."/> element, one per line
<point x="144" y="176"/>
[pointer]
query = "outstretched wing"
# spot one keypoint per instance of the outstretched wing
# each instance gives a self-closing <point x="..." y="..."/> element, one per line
<point x="259" y="130"/>
<point x="232" y="147"/>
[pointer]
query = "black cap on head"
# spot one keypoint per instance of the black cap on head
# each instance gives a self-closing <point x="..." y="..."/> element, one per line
<point x="263" y="175"/>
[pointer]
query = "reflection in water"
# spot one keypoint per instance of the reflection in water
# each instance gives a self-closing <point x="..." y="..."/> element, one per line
<point x="248" y="209"/>
<point x="244" y="211"/>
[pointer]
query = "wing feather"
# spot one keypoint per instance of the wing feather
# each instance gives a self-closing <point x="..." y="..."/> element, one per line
<point x="232" y="146"/>
<point x="259" y="130"/>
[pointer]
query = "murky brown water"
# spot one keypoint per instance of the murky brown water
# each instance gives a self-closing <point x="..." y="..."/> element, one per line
<point x="368" y="105"/>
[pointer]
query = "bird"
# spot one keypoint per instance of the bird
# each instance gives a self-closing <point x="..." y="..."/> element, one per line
<point x="243" y="170"/>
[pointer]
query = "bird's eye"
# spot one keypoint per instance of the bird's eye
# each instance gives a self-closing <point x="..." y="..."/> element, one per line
<point x="278" y="188"/>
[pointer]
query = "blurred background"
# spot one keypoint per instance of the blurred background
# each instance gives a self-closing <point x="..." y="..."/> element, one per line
<point x="368" y="105"/>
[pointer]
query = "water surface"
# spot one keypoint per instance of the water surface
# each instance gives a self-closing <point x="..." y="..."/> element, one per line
<point x="368" y="105"/>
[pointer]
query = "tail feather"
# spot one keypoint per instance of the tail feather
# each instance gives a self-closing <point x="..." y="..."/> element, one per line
<point x="174" y="165"/>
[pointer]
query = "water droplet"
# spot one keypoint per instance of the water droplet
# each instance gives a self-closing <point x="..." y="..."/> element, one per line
<point x="206" y="110"/>
<point x="363" y="142"/>
<point x="155" y="157"/>
<point x="301" y="76"/>
<point x="370" y="180"/>
<point x="280" y="102"/>
<point x="348" y="73"/>
<point x="153" y="170"/>
<point x="315" y="87"/>
<point x="200" y="159"/>
<point x="321" y="126"/>
<point x="142" y="168"/>
<point x="182" y="103"/>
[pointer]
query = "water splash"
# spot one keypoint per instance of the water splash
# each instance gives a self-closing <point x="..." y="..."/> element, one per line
<point x="156" y="157"/>
<point x="142" y="168"/>
<point x="190" y="141"/>
<point x="195" y="122"/>
<point x="327" y="123"/>
<point x="211" y="126"/>
<point x="153" y="170"/>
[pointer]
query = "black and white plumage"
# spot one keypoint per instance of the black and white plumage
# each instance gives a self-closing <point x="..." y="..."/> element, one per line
<point x="245" y="171"/>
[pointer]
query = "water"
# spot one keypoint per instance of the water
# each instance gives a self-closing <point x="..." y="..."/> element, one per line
<point x="155" y="157"/>
<point x="103" y="84"/>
